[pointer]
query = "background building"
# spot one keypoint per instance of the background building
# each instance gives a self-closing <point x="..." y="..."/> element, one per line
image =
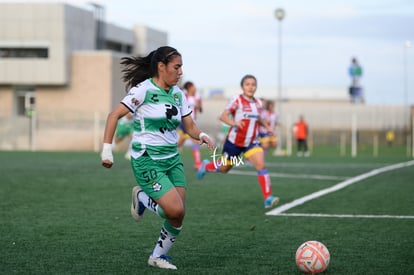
<point x="60" y="73"/>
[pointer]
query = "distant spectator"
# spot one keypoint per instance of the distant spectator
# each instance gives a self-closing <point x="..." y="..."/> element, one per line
<point x="355" y="71"/>
<point x="355" y="90"/>
<point x="300" y="129"/>
<point x="390" y="136"/>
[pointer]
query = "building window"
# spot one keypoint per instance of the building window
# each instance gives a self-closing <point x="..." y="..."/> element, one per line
<point x="118" y="47"/>
<point x="14" y="52"/>
<point x="128" y="49"/>
<point x="25" y="100"/>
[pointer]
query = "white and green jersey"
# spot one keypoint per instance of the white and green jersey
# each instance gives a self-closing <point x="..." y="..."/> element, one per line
<point x="157" y="114"/>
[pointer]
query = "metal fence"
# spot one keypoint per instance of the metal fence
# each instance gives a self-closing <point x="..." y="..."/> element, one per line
<point x="329" y="124"/>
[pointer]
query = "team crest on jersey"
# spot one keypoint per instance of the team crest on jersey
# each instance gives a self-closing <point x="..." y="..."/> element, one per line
<point x="135" y="101"/>
<point x="156" y="186"/>
<point x="247" y="108"/>
<point x="177" y="99"/>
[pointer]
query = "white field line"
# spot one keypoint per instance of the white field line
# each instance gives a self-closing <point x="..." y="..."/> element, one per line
<point x="344" y="216"/>
<point x="324" y="165"/>
<point x="338" y="186"/>
<point x="292" y="176"/>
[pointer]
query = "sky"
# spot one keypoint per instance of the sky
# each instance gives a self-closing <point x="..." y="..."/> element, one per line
<point x="222" y="40"/>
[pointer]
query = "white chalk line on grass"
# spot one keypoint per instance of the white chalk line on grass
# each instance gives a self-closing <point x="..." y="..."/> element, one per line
<point x="344" y="216"/>
<point x="338" y="186"/>
<point x="325" y="165"/>
<point x="291" y="176"/>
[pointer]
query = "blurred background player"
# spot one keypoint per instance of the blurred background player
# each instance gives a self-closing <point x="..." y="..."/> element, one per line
<point x="269" y="117"/>
<point x="242" y="138"/>
<point x="124" y="129"/>
<point x="222" y="134"/>
<point x="194" y="102"/>
<point x="300" y="130"/>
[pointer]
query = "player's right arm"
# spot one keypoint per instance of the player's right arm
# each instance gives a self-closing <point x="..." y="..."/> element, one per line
<point x="110" y="127"/>
<point x="225" y="117"/>
<point x="129" y="103"/>
<point x="230" y="109"/>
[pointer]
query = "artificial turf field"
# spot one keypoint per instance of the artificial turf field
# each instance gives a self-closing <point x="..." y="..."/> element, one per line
<point x="62" y="213"/>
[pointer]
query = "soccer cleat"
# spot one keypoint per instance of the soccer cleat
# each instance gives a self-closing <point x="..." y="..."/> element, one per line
<point x="137" y="207"/>
<point x="202" y="170"/>
<point x="162" y="261"/>
<point x="271" y="201"/>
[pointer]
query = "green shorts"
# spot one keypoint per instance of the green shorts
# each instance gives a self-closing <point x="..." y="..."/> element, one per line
<point x="157" y="177"/>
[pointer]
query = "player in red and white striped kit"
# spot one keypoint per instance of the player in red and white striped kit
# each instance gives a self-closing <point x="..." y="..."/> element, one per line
<point x="243" y="137"/>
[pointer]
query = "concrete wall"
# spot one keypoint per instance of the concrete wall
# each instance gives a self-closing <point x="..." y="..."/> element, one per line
<point x="148" y="39"/>
<point x="67" y="116"/>
<point x="89" y="89"/>
<point x="119" y="34"/>
<point x="6" y="101"/>
<point x="59" y="27"/>
<point x="321" y="116"/>
<point x="74" y="118"/>
<point x="29" y="25"/>
<point x="117" y="85"/>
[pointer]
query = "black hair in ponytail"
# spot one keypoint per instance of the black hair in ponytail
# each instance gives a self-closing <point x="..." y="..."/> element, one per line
<point x="137" y="69"/>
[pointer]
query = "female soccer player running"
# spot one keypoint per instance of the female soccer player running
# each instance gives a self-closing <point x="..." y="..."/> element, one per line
<point x="159" y="106"/>
<point x="243" y="138"/>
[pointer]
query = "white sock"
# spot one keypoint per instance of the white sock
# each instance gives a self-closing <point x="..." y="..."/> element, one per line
<point x="166" y="240"/>
<point x="150" y="204"/>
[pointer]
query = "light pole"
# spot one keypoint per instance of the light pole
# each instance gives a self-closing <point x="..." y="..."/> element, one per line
<point x="406" y="47"/>
<point x="406" y="105"/>
<point x="280" y="15"/>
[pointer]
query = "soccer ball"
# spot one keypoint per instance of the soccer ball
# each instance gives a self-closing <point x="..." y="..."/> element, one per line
<point x="312" y="257"/>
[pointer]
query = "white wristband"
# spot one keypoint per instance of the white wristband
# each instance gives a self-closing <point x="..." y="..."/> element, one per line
<point x="201" y="135"/>
<point x="107" y="152"/>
